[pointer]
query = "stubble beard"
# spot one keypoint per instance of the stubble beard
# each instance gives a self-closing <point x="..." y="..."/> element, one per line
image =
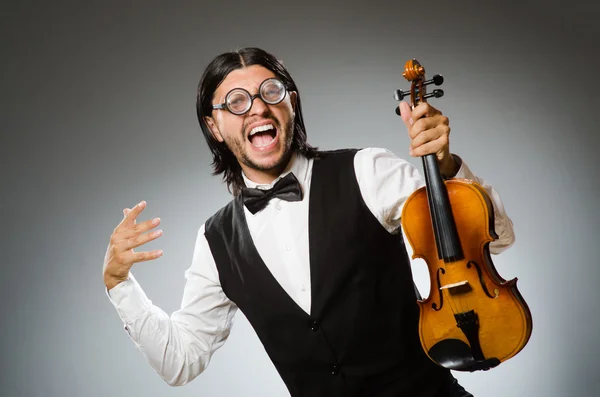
<point x="239" y="149"/>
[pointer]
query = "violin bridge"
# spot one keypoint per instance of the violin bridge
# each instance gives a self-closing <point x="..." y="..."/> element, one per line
<point x="461" y="287"/>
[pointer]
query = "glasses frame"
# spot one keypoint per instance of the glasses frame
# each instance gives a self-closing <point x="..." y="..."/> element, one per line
<point x="225" y="106"/>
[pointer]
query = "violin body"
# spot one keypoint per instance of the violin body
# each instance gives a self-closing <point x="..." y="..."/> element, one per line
<point x="473" y="319"/>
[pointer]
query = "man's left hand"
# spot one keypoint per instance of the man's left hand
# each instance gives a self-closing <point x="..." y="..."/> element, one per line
<point x="429" y="133"/>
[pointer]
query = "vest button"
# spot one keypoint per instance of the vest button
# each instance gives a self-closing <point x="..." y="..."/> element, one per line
<point x="314" y="326"/>
<point x="335" y="369"/>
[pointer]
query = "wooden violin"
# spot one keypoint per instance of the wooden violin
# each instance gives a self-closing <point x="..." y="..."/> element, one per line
<point x="472" y="319"/>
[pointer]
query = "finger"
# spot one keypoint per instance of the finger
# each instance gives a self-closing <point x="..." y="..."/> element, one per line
<point x="421" y="125"/>
<point x="139" y="240"/>
<point x="130" y="257"/>
<point x="126" y="232"/>
<point x="424" y="137"/>
<point x="424" y="109"/>
<point x="406" y="114"/>
<point x="138" y="228"/>
<point x="430" y="147"/>
<point x="125" y="212"/>
<point x="430" y="133"/>
<point x="132" y="215"/>
<point x="129" y="215"/>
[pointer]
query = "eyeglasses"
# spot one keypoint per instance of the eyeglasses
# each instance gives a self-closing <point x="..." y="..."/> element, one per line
<point x="239" y="101"/>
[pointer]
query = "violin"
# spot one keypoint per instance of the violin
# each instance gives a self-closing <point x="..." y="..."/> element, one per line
<point x="472" y="319"/>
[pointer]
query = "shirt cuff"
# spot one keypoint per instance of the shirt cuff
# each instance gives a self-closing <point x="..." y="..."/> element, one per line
<point x="129" y="299"/>
<point x="464" y="172"/>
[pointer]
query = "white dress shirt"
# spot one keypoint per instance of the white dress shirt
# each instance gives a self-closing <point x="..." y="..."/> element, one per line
<point x="180" y="346"/>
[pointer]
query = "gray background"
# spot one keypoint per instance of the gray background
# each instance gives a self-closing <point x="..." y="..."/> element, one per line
<point x="97" y="113"/>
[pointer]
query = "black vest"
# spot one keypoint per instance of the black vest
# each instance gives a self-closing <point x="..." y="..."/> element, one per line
<point x="361" y="337"/>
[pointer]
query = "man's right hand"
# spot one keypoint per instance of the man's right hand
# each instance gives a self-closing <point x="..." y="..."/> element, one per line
<point x="128" y="235"/>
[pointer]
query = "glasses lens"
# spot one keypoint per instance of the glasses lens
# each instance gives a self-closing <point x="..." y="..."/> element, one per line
<point x="238" y="101"/>
<point x="272" y="91"/>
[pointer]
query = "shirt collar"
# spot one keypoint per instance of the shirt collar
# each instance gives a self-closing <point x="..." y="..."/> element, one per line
<point x="298" y="165"/>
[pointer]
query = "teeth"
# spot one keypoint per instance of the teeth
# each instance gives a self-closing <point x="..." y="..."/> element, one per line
<point x="261" y="128"/>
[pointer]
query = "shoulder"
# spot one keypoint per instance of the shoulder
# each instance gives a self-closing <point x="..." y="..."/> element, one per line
<point x="216" y="221"/>
<point x="378" y="157"/>
<point x="377" y="153"/>
<point x="364" y="159"/>
<point x="375" y="162"/>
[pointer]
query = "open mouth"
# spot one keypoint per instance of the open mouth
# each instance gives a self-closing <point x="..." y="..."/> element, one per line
<point x="263" y="135"/>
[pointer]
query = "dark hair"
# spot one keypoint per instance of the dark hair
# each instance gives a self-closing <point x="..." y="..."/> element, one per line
<point x="224" y="161"/>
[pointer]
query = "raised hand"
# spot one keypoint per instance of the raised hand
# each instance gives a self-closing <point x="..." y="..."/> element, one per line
<point x="429" y="133"/>
<point x="128" y="235"/>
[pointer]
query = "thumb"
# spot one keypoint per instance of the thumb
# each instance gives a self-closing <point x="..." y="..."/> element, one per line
<point x="406" y="113"/>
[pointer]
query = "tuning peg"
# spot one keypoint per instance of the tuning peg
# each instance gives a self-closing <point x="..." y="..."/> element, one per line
<point x="436" y="93"/>
<point x="398" y="111"/>
<point x="399" y="94"/>
<point x="437" y="79"/>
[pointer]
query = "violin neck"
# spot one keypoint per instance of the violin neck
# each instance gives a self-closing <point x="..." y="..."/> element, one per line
<point x="444" y="227"/>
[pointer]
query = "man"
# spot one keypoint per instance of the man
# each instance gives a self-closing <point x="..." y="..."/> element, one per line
<point x="319" y="268"/>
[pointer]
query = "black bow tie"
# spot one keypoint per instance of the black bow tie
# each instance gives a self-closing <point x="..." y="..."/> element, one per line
<point x="287" y="188"/>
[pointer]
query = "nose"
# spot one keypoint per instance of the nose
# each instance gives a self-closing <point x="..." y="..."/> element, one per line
<point x="257" y="106"/>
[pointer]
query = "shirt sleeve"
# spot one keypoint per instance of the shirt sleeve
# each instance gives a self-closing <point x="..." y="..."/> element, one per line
<point x="386" y="181"/>
<point x="179" y="346"/>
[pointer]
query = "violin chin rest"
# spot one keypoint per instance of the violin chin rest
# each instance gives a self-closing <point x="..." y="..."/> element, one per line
<point x="456" y="355"/>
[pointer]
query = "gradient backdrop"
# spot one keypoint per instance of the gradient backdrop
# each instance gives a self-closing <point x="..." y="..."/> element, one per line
<point x="98" y="112"/>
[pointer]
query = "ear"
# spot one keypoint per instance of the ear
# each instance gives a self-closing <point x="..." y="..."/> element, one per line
<point x="213" y="128"/>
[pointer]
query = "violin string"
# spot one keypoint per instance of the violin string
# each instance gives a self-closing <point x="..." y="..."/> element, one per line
<point x="463" y="304"/>
<point x="450" y="301"/>
<point x="436" y="218"/>
<point x="442" y="240"/>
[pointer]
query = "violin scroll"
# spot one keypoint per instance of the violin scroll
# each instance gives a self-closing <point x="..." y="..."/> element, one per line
<point x="415" y="73"/>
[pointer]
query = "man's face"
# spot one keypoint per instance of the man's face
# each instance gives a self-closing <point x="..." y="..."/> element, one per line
<point x="262" y="152"/>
